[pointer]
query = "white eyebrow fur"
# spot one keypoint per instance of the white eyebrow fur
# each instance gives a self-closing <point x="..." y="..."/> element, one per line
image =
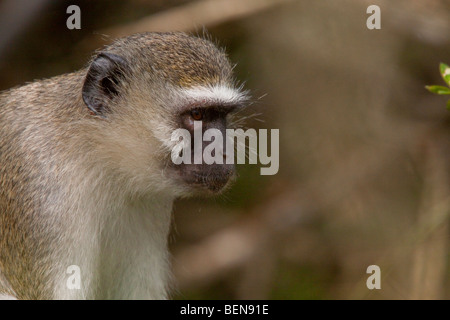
<point x="218" y="94"/>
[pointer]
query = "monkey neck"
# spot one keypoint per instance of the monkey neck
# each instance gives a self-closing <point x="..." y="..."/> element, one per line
<point x="119" y="242"/>
<point x="133" y="250"/>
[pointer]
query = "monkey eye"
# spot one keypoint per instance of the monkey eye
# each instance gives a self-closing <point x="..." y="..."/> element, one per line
<point x="197" y="114"/>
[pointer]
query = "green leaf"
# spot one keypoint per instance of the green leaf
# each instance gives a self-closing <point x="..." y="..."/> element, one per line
<point x="438" y="89"/>
<point x="445" y="72"/>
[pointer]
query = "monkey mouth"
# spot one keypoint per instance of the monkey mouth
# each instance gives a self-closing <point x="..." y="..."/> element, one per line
<point x="213" y="178"/>
<point x="212" y="182"/>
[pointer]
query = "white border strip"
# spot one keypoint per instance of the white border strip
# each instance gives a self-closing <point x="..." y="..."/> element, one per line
<point x="215" y="94"/>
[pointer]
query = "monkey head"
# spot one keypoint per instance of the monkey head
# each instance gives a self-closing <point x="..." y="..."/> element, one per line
<point x="142" y="88"/>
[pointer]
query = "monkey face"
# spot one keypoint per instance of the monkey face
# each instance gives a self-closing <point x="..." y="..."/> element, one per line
<point x="200" y="157"/>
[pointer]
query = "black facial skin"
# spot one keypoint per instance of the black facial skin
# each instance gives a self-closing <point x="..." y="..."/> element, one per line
<point x="212" y="177"/>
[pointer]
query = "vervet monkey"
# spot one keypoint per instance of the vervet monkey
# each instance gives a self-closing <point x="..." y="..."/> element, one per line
<point x="86" y="176"/>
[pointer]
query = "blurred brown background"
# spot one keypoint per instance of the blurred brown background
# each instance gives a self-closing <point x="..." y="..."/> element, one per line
<point x="364" y="148"/>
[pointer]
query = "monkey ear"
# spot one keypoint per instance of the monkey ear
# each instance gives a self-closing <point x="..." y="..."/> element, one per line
<point x="102" y="81"/>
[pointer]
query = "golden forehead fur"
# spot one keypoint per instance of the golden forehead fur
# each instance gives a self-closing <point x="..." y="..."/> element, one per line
<point x="176" y="57"/>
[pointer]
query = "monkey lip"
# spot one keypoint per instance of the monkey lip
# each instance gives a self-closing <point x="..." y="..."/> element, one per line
<point x="198" y="178"/>
<point x="213" y="182"/>
<point x="213" y="179"/>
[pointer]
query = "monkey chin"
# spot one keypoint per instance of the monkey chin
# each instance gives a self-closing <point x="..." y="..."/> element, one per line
<point x="211" y="185"/>
<point x="201" y="180"/>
